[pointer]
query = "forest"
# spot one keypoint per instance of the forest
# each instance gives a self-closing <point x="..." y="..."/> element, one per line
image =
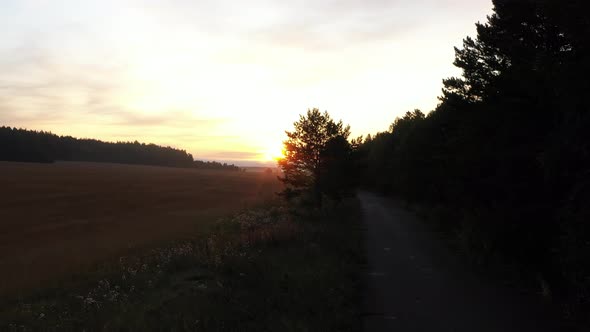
<point x="503" y="162"/>
<point x="45" y="147"/>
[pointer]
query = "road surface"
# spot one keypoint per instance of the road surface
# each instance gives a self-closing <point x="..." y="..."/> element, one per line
<point x="414" y="283"/>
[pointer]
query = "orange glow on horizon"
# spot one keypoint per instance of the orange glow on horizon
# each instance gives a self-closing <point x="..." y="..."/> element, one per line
<point x="273" y="153"/>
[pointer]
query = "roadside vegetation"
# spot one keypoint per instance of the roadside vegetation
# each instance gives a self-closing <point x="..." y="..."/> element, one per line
<point x="320" y="161"/>
<point x="503" y="162"/>
<point x="265" y="269"/>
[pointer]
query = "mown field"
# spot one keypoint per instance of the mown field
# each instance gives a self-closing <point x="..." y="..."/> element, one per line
<point x="60" y="220"/>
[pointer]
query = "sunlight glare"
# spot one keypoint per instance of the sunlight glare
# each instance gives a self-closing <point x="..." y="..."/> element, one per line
<point x="274" y="153"/>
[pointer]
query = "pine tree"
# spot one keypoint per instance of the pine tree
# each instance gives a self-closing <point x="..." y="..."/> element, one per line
<point x="305" y="153"/>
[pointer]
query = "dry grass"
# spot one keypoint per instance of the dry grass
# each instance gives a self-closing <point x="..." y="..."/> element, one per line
<point x="274" y="268"/>
<point x="62" y="219"/>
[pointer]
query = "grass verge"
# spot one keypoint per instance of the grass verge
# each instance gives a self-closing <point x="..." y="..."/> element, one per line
<point x="267" y="269"/>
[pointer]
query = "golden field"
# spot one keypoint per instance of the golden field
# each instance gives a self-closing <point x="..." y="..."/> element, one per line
<point x="59" y="220"/>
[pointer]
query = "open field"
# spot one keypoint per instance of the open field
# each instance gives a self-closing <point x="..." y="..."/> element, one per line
<point x="273" y="268"/>
<point x="61" y="219"/>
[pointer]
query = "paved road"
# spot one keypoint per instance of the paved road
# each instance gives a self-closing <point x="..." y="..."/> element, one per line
<point x="414" y="283"/>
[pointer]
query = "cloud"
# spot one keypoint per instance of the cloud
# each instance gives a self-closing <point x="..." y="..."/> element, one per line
<point x="38" y="87"/>
<point x="174" y="119"/>
<point x="319" y="25"/>
<point x="316" y="26"/>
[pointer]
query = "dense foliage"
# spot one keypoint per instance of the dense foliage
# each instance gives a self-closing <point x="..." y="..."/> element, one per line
<point x="318" y="158"/>
<point x="38" y="146"/>
<point x="505" y="156"/>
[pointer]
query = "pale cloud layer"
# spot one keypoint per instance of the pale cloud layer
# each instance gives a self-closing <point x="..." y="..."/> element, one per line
<point x="222" y="79"/>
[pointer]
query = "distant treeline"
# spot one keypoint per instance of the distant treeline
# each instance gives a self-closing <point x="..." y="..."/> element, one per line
<point x="45" y="147"/>
<point x="504" y="160"/>
<point x="214" y="165"/>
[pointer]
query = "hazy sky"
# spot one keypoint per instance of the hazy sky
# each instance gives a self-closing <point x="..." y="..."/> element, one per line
<point x="223" y="79"/>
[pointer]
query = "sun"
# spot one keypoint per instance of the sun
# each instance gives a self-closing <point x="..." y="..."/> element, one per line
<point x="273" y="153"/>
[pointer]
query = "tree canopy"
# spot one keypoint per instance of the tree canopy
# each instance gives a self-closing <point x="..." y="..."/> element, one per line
<point x="315" y="151"/>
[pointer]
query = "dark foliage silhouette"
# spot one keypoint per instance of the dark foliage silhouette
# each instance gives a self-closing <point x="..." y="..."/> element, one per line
<point x="318" y="158"/>
<point x="214" y="165"/>
<point x="38" y="146"/>
<point x="505" y="157"/>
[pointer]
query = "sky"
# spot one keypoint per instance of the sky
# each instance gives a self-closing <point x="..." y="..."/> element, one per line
<point x="223" y="79"/>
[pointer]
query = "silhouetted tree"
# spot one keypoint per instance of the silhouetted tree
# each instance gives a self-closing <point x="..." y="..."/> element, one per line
<point x="314" y="152"/>
<point x="337" y="168"/>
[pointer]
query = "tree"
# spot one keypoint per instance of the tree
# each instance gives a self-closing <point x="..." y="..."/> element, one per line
<point x="520" y="42"/>
<point x="316" y="148"/>
<point x="337" y="168"/>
